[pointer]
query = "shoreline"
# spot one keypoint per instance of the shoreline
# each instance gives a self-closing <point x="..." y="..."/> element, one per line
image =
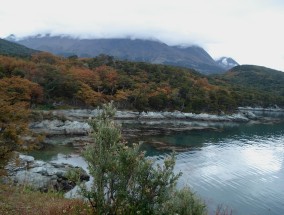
<point x="73" y="124"/>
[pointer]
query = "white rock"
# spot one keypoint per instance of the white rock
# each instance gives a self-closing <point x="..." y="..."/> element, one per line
<point x="26" y="158"/>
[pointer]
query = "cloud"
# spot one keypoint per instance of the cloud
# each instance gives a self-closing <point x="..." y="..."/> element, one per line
<point x="249" y="31"/>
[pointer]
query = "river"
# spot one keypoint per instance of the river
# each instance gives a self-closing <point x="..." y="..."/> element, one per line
<point x="239" y="166"/>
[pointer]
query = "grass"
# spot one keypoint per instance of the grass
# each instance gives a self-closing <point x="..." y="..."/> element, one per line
<point x="21" y="200"/>
<point x="15" y="200"/>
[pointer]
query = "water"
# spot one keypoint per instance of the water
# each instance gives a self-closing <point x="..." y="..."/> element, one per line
<point x="240" y="166"/>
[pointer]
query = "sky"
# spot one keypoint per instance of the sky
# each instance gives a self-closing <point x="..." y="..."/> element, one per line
<point x="249" y="31"/>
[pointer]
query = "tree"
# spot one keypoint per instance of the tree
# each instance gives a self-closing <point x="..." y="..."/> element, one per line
<point x="45" y="57"/>
<point x="86" y="76"/>
<point x="90" y="97"/>
<point x="16" y="95"/>
<point x="108" y="76"/>
<point x="124" y="180"/>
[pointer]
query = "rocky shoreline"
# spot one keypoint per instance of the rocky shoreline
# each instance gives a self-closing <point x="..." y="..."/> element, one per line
<point x="85" y="114"/>
<point x="70" y="127"/>
<point x="75" y="122"/>
<point x="26" y="171"/>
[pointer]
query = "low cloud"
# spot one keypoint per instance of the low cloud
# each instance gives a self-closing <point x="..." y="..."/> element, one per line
<point x="231" y="28"/>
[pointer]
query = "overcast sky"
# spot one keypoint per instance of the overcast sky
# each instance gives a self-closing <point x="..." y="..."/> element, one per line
<point x="250" y="31"/>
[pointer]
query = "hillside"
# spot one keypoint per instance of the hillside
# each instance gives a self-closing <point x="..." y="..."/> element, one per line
<point x="13" y="49"/>
<point x="89" y="82"/>
<point x="127" y="49"/>
<point x="257" y="77"/>
<point x="255" y="83"/>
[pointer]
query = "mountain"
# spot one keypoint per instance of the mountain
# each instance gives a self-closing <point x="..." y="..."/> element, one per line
<point x="127" y="49"/>
<point x="226" y="63"/>
<point x="260" y="77"/>
<point x="14" y="49"/>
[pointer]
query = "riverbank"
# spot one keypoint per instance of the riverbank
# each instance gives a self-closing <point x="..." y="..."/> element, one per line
<point x="74" y="123"/>
<point x="85" y="114"/>
<point x="205" y="155"/>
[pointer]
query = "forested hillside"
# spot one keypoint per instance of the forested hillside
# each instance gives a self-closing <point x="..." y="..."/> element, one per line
<point x="257" y="85"/>
<point x="89" y="82"/>
<point x="14" y="49"/>
<point x="256" y="77"/>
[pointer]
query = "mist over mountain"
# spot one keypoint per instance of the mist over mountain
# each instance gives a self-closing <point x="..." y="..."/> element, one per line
<point x="154" y="52"/>
<point x="140" y="85"/>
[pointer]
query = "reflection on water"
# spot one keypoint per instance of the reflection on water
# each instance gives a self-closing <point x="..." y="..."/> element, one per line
<point x="50" y="152"/>
<point x="242" y="168"/>
<point x="239" y="166"/>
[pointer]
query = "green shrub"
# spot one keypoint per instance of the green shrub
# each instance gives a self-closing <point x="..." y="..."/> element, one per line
<point x="125" y="181"/>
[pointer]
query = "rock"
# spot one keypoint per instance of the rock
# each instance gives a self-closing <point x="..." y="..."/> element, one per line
<point x="274" y="108"/>
<point x="41" y="170"/>
<point x="70" y="140"/>
<point x="174" y="115"/>
<point x="126" y="115"/>
<point x="25" y="170"/>
<point x="57" y="127"/>
<point x="26" y="158"/>
<point x="75" y="120"/>
<point x="76" y="128"/>
<point x="250" y="115"/>
<point x="36" y="180"/>
<point x="151" y="115"/>
<point x="73" y="123"/>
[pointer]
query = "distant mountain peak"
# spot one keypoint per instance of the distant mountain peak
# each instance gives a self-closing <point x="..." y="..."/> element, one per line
<point x="226" y="63"/>
<point x="133" y="49"/>
<point x="11" y="38"/>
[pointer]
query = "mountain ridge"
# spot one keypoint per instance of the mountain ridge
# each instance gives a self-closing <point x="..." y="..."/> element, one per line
<point x="13" y="49"/>
<point x="155" y="52"/>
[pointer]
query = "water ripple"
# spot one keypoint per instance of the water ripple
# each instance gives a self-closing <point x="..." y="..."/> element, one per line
<point x="247" y="173"/>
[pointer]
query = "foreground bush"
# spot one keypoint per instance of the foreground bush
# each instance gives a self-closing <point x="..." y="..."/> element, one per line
<point x="126" y="182"/>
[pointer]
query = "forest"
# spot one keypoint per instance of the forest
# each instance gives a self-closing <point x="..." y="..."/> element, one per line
<point x="45" y="81"/>
<point x="42" y="81"/>
<point x="88" y="82"/>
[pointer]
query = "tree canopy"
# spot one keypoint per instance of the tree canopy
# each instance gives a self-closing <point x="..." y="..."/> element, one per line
<point x="16" y="97"/>
<point x="88" y="82"/>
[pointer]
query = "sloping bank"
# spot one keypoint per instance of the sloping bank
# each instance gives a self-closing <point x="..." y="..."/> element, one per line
<point x="75" y="121"/>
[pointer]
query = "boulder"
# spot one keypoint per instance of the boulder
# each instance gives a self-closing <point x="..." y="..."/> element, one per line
<point x="40" y="175"/>
<point x="57" y="127"/>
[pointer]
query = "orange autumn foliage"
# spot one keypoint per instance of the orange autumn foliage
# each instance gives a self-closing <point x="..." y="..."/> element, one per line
<point x="88" y="96"/>
<point x="86" y="76"/>
<point x="108" y="76"/>
<point x="203" y="82"/>
<point x="45" y="57"/>
<point x="121" y="95"/>
<point x="16" y="96"/>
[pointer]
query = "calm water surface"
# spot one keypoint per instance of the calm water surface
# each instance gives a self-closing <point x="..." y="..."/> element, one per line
<point x="239" y="166"/>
